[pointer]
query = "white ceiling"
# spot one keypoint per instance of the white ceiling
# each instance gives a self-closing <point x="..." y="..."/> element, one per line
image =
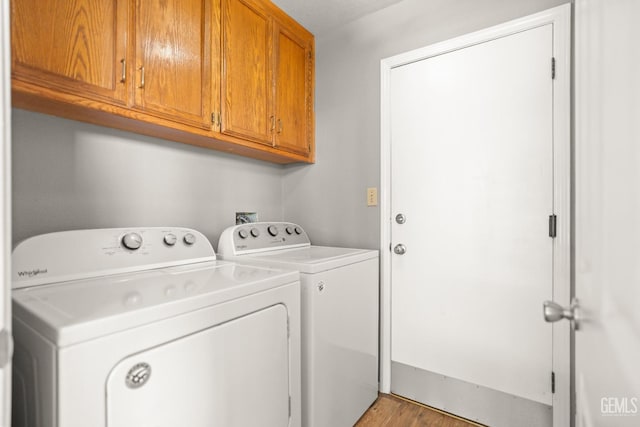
<point x="319" y="16"/>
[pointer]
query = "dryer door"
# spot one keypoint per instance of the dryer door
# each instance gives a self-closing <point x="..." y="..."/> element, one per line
<point x="233" y="374"/>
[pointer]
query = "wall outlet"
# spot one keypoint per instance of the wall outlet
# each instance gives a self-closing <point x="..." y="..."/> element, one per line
<point x="372" y="196"/>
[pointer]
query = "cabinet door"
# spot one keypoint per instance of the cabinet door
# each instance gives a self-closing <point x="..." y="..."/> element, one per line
<point x="173" y="60"/>
<point x="76" y="47"/>
<point x="247" y="83"/>
<point x="294" y="117"/>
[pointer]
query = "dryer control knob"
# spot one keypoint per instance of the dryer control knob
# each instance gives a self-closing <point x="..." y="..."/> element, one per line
<point x="289" y="230"/>
<point x="170" y="239"/>
<point x="255" y="232"/>
<point x="273" y="230"/>
<point x="132" y="241"/>
<point x="243" y="234"/>
<point x="189" y="239"/>
<point x="298" y="230"/>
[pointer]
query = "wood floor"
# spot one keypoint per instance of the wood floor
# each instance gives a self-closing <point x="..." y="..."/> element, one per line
<point x="391" y="411"/>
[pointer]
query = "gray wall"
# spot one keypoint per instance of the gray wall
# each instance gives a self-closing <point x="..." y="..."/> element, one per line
<point x="329" y="198"/>
<point x="72" y="175"/>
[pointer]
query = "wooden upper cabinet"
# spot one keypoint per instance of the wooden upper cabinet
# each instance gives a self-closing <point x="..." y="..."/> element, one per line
<point x="173" y="59"/>
<point x="232" y="75"/>
<point x="294" y="91"/>
<point x="267" y="77"/>
<point x="246" y="82"/>
<point x="76" y="47"/>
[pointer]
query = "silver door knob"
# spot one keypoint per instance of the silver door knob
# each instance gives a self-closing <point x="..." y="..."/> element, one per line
<point x="400" y="249"/>
<point x="554" y="312"/>
<point x="401" y="219"/>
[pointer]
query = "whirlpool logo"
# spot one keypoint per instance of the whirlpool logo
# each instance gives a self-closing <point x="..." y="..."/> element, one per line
<point x="32" y="273"/>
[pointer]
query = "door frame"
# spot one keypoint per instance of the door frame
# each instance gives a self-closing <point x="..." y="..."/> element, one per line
<point x="560" y="18"/>
<point x="6" y="341"/>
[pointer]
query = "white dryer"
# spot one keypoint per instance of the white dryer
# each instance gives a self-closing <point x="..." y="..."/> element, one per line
<point x="144" y="327"/>
<point x="340" y="294"/>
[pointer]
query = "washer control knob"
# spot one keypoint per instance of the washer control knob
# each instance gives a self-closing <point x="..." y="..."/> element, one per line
<point x="243" y="234"/>
<point x="189" y="239"/>
<point x="273" y="230"/>
<point x="132" y="241"/>
<point x="298" y="230"/>
<point x="255" y="232"/>
<point x="170" y="239"/>
<point x="289" y="230"/>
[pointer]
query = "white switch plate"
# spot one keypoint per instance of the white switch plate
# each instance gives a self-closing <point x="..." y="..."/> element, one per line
<point x="372" y="196"/>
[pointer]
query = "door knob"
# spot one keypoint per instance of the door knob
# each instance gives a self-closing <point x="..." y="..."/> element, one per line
<point x="401" y="219"/>
<point x="400" y="249"/>
<point x="554" y="312"/>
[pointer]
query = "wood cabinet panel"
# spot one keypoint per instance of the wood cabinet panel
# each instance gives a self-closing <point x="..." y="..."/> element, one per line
<point x="247" y="88"/>
<point x="172" y="57"/>
<point x="294" y="62"/>
<point x="76" y="46"/>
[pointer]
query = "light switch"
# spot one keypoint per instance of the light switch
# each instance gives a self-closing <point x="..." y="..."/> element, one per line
<point x="372" y="196"/>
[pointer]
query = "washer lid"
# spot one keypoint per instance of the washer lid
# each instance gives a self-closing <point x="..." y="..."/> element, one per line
<point x="72" y="312"/>
<point x="311" y="259"/>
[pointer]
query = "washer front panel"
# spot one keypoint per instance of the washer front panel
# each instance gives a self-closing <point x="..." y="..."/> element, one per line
<point x="234" y="375"/>
<point x="84" y="370"/>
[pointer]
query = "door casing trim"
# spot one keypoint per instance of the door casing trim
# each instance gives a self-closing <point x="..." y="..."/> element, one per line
<point x="560" y="18"/>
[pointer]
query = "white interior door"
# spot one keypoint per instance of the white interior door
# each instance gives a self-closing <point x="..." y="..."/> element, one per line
<point x="472" y="171"/>
<point x="5" y="223"/>
<point x="607" y="271"/>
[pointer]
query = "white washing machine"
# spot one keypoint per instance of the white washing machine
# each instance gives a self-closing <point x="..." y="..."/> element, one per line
<point x="143" y="327"/>
<point x="339" y="316"/>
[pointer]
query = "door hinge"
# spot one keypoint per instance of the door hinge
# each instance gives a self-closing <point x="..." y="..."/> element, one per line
<point x="553" y="382"/>
<point x="553" y="68"/>
<point x="553" y="224"/>
<point x="289" y="406"/>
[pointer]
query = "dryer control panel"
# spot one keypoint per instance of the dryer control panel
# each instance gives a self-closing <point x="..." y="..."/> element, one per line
<point x="261" y="237"/>
<point x="80" y="254"/>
